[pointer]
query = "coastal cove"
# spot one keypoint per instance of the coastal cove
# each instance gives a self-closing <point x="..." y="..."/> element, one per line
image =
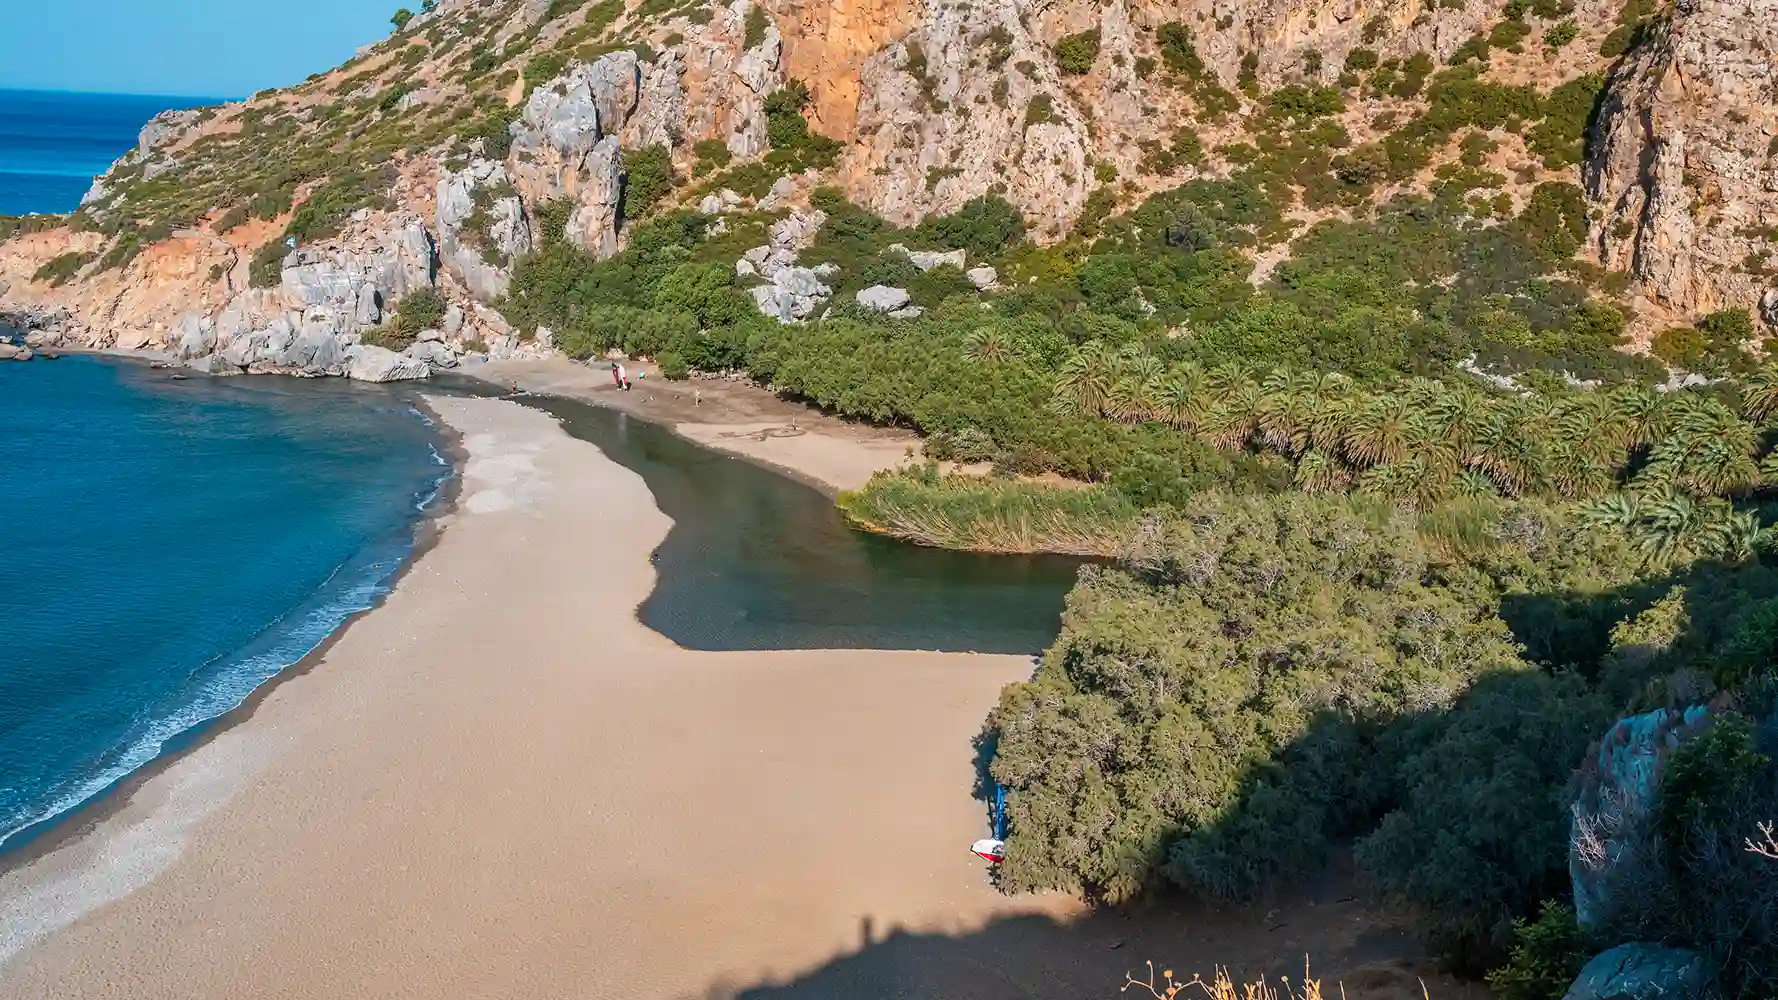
<point x="554" y="800"/>
<point x="754" y="560"/>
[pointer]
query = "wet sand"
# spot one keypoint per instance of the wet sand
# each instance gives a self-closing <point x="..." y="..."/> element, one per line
<point x="740" y="418"/>
<point x="499" y="784"/>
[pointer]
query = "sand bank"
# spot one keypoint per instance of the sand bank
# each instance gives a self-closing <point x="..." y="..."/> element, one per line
<point x="737" y="417"/>
<point x="498" y="784"/>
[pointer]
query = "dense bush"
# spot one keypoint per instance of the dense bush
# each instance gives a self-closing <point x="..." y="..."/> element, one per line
<point x="62" y="268"/>
<point x="1547" y="954"/>
<point x="648" y="178"/>
<point x="1076" y="53"/>
<point x="1240" y="632"/>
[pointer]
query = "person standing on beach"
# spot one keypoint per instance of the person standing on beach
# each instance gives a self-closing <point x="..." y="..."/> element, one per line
<point x="623" y="377"/>
<point x="617" y="377"/>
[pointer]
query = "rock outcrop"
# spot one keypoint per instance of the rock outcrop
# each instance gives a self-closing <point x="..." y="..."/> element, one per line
<point x="1612" y="808"/>
<point x="568" y="142"/>
<point x="482" y="227"/>
<point x="1684" y="171"/>
<point x="1646" y="972"/>
<point x="368" y="363"/>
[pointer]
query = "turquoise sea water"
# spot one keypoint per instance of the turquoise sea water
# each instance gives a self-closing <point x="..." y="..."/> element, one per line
<point x="53" y="143"/>
<point x="168" y="545"/>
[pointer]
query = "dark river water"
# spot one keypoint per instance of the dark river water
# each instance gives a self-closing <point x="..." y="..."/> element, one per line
<point x="756" y="560"/>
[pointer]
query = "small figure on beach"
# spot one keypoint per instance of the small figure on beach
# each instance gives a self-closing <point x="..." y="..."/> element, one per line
<point x="617" y="375"/>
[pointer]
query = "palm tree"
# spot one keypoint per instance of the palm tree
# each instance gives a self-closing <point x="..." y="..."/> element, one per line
<point x="1642" y="414"/>
<point x="1184" y="396"/>
<point x="1283" y="412"/>
<point x="1455" y="414"/>
<point x="1135" y="394"/>
<point x="988" y="345"/>
<point x="1666" y="527"/>
<point x="1573" y="469"/>
<point x="1383" y="430"/>
<point x="1708" y="450"/>
<point x="1505" y="453"/>
<point x="1472" y="485"/>
<point x="1084" y="381"/>
<point x="1416" y="481"/>
<point x="1759" y="395"/>
<point x="1321" y="472"/>
<point x="1230" y="423"/>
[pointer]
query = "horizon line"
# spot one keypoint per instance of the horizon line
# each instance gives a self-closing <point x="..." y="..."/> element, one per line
<point x="212" y="98"/>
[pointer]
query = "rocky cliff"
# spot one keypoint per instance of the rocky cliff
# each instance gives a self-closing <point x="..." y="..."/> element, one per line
<point x="434" y="160"/>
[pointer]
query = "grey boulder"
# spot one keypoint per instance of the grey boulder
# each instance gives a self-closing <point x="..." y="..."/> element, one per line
<point x="433" y="353"/>
<point x="982" y="277"/>
<point x="369" y="363"/>
<point x="1646" y="972"/>
<point x="883" y="298"/>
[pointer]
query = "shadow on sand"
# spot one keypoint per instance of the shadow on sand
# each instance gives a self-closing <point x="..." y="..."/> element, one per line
<point x="1371" y="954"/>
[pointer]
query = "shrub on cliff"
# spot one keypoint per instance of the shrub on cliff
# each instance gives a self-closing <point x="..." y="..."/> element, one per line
<point x="1076" y="53"/>
<point x="648" y="177"/>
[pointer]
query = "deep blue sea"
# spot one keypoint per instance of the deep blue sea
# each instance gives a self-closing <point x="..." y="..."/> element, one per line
<point x="166" y="546"/>
<point x="53" y="143"/>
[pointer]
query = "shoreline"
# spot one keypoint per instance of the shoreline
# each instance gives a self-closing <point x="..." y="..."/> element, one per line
<point x="52" y="833"/>
<point x="825" y="452"/>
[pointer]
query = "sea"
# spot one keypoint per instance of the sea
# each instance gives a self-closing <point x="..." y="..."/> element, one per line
<point x="169" y="544"/>
<point x="53" y="143"/>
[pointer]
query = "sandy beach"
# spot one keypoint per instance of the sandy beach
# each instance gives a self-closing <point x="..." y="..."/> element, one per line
<point x="499" y="784"/>
<point x="740" y="418"/>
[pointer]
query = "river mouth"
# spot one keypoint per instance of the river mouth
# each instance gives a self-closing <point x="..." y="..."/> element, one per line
<point x="757" y="560"/>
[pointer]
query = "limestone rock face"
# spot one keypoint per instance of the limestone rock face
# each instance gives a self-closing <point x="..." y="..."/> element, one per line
<point x="481" y="258"/>
<point x="592" y="225"/>
<point x="355" y="278"/>
<point x="1684" y="173"/>
<point x="659" y="116"/>
<point x="794" y="294"/>
<point x="758" y="73"/>
<point x="368" y="363"/>
<point x="1646" y="972"/>
<point x="567" y="144"/>
<point x="1613" y="805"/>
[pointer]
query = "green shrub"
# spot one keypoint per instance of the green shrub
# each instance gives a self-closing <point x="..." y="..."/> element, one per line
<point x="648" y="178"/>
<point x="62" y="268"/>
<point x="267" y="267"/>
<point x="754" y="28"/>
<point x="1360" y="60"/>
<point x="1039" y="111"/>
<point x="985" y="227"/>
<point x="401" y="18"/>
<point x="1704" y="777"/>
<point x="542" y="68"/>
<point x="1546" y="957"/>
<point x="235" y="216"/>
<point x="421" y="310"/>
<point x="1075" y="54"/>
<point x="712" y="151"/>
<point x="1561" y="34"/>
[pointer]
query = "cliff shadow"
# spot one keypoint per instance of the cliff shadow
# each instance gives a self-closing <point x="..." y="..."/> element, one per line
<point x="1350" y="945"/>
